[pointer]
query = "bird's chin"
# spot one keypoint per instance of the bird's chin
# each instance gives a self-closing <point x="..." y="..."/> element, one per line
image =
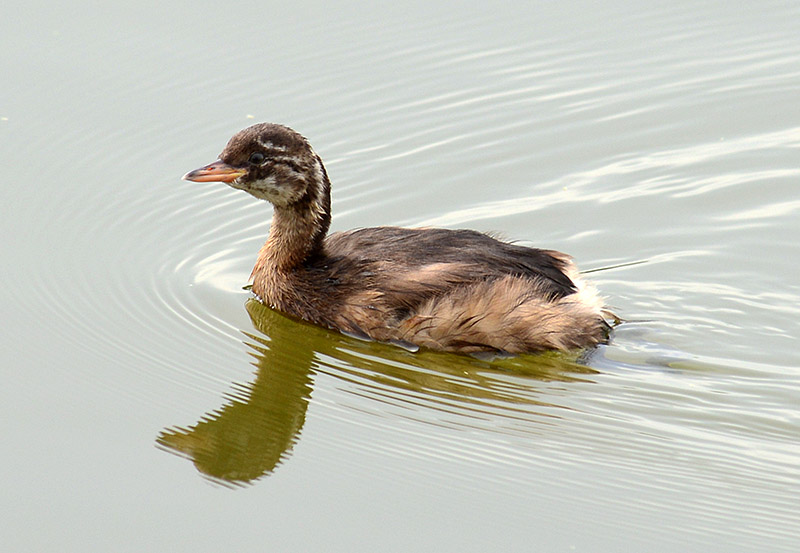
<point x="259" y="193"/>
<point x="266" y="189"/>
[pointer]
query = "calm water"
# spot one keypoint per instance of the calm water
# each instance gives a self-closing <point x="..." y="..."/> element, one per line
<point x="150" y="405"/>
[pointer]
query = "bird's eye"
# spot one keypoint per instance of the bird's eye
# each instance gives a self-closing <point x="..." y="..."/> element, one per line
<point x="257" y="158"/>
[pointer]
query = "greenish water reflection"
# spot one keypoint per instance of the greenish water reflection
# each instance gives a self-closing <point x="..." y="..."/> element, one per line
<point x="249" y="436"/>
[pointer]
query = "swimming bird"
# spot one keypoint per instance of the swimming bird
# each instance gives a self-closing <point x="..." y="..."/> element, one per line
<point x="442" y="289"/>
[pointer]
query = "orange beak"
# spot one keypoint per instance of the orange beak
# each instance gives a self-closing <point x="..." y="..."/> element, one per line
<point x="218" y="171"/>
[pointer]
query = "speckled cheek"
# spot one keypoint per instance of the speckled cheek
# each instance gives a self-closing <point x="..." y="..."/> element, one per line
<point x="278" y="194"/>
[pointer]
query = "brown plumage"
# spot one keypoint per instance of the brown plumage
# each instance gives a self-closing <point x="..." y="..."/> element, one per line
<point x="453" y="290"/>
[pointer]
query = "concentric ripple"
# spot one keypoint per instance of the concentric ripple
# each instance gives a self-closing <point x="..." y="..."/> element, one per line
<point x="659" y="147"/>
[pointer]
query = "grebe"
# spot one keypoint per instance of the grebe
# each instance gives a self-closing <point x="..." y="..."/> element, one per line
<point x="450" y="290"/>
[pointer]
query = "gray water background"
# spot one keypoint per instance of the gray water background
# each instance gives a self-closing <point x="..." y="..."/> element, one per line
<point x="147" y="405"/>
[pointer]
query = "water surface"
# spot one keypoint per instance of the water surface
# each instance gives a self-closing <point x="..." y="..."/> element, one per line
<point x="150" y="404"/>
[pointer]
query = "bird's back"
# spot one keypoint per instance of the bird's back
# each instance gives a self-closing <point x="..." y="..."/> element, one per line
<point x="451" y="290"/>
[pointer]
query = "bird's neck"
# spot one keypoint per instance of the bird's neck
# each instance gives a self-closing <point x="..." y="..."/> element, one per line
<point x="298" y="230"/>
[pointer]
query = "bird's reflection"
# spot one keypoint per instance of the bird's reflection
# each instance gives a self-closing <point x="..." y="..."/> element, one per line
<point x="249" y="436"/>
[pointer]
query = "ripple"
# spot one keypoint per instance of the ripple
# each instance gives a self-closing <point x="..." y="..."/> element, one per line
<point x="680" y="165"/>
